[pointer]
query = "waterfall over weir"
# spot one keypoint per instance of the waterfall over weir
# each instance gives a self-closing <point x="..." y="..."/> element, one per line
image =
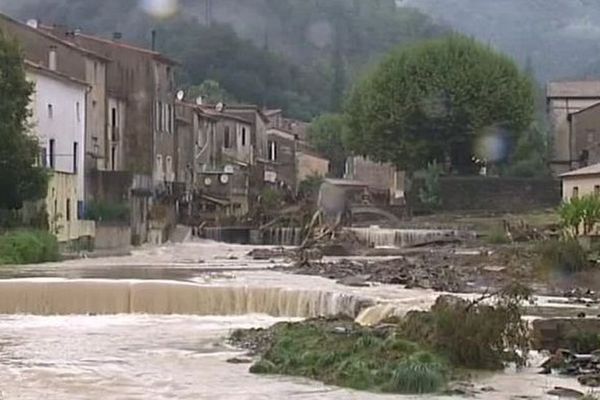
<point x="65" y="297"/>
<point x="379" y="237"/>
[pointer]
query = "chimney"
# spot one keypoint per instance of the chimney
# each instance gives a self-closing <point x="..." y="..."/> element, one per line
<point x="117" y="36"/>
<point x="153" y="40"/>
<point x="52" y="58"/>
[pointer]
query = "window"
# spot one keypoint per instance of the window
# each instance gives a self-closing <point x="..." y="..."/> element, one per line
<point x="272" y="150"/>
<point x="95" y="72"/>
<point x="243" y="136"/>
<point x="113" y="124"/>
<point x="157" y="116"/>
<point x="68" y="210"/>
<point x="160" y="116"/>
<point x="50" y="111"/>
<point x="597" y="190"/>
<point x="159" y="167"/>
<point x="113" y="158"/>
<point x="169" y="168"/>
<point x="226" y="138"/>
<point x="52" y="153"/>
<point x="75" y="157"/>
<point x="78" y="111"/>
<point x="575" y="192"/>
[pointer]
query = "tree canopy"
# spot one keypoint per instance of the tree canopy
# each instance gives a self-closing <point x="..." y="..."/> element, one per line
<point x="20" y="179"/>
<point x="434" y="100"/>
<point x="325" y="135"/>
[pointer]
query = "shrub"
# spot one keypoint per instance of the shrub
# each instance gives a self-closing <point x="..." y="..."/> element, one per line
<point x="580" y="212"/>
<point x="473" y="334"/>
<point x="107" y="212"/>
<point x="28" y="247"/>
<point x="421" y="373"/>
<point x="497" y="237"/>
<point x="566" y="256"/>
<point x="430" y="194"/>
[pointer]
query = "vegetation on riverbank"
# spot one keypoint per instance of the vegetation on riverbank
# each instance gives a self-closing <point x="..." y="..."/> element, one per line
<point x="420" y="353"/>
<point x="28" y="247"/>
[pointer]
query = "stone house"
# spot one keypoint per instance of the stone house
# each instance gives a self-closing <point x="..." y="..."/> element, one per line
<point x="381" y="178"/>
<point x="48" y="51"/>
<point x="140" y="126"/>
<point x="309" y="163"/>
<point x="281" y="153"/>
<point x="581" y="182"/>
<point x="564" y="99"/>
<point x="58" y="116"/>
<point x="584" y="127"/>
<point x="215" y="153"/>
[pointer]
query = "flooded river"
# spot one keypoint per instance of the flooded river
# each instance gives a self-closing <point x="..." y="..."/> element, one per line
<point x="49" y="349"/>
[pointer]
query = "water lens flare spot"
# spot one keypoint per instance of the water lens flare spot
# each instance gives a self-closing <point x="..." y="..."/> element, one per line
<point x="492" y="147"/>
<point x="160" y="8"/>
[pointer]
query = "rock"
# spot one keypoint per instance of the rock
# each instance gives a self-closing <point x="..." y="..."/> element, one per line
<point x="488" y="389"/>
<point x="591" y="380"/>
<point x="565" y="392"/>
<point x="355" y="281"/>
<point x="239" y="360"/>
<point x="340" y="330"/>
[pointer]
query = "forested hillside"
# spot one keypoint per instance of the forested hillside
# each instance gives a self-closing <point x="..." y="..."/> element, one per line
<point x="297" y="55"/>
<point x="560" y="38"/>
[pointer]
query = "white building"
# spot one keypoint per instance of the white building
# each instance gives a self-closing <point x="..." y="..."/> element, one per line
<point x="58" y="119"/>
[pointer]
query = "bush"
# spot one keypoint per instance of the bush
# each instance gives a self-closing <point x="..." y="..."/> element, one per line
<point x="107" y="212"/>
<point x="28" y="247"/>
<point x="472" y="334"/>
<point x="566" y="256"/>
<point x="497" y="237"/>
<point x="420" y="373"/>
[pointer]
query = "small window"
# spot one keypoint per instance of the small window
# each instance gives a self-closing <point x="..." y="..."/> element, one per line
<point x="160" y="116"/>
<point x="78" y="111"/>
<point x="243" y="136"/>
<point x="597" y="190"/>
<point x="272" y="150"/>
<point x="226" y="138"/>
<point x="52" y="153"/>
<point x="50" y="111"/>
<point x="113" y="158"/>
<point x="68" y="210"/>
<point x="75" y="157"/>
<point x="113" y="117"/>
<point x="575" y="192"/>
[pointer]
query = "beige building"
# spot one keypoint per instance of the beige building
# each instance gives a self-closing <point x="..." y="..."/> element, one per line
<point x="581" y="182"/>
<point x="308" y="164"/>
<point x="61" y="204"/>
<point x="564" y="99"/>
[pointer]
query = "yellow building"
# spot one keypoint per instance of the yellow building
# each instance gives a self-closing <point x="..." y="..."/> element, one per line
<point x="581" y="182"/>
<point x="61" y="205"/>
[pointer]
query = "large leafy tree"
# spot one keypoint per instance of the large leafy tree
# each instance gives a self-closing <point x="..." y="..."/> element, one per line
<point x="326" y="136"/>
<point x="20" y="179"/>
<point x="434" y="100"/>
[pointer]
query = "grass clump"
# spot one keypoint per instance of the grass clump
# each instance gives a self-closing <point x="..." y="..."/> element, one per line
<point x="565" y="256"/>
<point x="28" y="247"/>
<point x="497" y="237"/>
<point x="348" y="355"/>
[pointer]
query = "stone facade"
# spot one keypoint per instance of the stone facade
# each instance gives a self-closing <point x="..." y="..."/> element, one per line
<point x="584" y="126"/>
<point x="381" y="177"/>
<point x="564" y="99"/>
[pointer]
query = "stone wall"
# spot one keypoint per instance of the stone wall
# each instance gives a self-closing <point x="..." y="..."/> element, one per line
<point x="112" y="236"/>
<point x="490" y="194"/>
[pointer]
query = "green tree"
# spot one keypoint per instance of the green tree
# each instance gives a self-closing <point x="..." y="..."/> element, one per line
<point x="433" y="100"/>
<point x="20" y="179"/>
<point x="326" y="135"/>
<point x="210" y="91"/>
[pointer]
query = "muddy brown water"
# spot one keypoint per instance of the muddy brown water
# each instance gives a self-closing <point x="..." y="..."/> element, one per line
<point x="158" y="324"/>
